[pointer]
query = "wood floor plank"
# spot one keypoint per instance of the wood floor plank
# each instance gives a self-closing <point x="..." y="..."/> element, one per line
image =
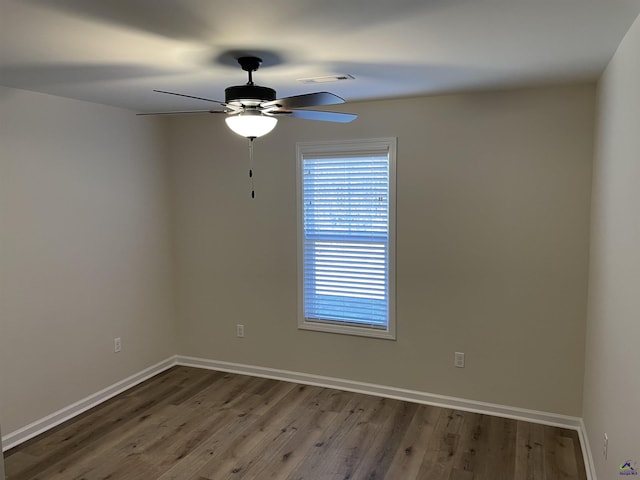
<point x="560" y="458"/>
<point x="500" y="457"/>
<point x="196" y="424"/>
<point x="285" y="448"/>
<point x="362" y="444"/>
<point x="529" y="461"/>
<point x="127" y="444"/>
<point x="378" y="455"/>
<point x="277" y="425"/>
<point x="579" y="458"/>
<point x="438" y="460"/>
<point x="410" y="456"/>
<point x="221" y="450"/>
<point x="332" y="453"/>
<point x="472" y="445"/>
<point x="69" y="442"/>
<point x="186" y="466"/>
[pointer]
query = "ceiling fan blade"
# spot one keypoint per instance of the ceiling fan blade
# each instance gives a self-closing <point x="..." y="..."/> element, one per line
<point x="191" y="96"/>
<point x="318" y="115"/>
<point x="306" y="100"/>
<point x="186" y="112"/>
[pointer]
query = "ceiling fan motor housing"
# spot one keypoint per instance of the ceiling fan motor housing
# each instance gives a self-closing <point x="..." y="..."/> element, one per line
<point x="253" y="102"/>
<point x="249" y="94"/>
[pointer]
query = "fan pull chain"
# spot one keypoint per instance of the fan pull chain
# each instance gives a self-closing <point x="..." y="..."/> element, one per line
<point x="253" y="193"/>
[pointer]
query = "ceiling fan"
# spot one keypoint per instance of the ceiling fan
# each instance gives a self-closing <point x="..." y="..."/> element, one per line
<point x="252" y="109"/>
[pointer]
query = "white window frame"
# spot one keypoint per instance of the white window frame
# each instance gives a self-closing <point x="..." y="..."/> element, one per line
<point x="349" y="147"/>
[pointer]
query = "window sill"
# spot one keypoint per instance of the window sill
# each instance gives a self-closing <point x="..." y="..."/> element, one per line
<point x="362" y="331"/>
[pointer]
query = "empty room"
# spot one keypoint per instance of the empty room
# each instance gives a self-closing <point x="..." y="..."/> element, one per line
<point x="319" y="240"/>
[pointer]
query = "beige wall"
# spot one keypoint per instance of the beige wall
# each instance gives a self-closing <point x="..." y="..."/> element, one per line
<point x="493" y="214"/>
<point x="612" y="373"/>
<point x="492" y="246"/>
<point x="84" y="251"/>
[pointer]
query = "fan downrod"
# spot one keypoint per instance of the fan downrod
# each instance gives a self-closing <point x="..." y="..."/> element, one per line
<point x="250" y="65"/>
<point x="249" y="94"/>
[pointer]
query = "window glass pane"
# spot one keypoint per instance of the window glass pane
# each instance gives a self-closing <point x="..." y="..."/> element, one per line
<point x="345" y="201"/>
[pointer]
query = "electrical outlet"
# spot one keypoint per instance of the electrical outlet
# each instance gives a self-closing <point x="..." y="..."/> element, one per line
<point x="117" y="344"/>
<point x="239" y="330"/>
<point x="605" y="446"/>
<point x="458" y="360"/>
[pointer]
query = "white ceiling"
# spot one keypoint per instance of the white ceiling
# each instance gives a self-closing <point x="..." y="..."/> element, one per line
<point x="117" y="51"/>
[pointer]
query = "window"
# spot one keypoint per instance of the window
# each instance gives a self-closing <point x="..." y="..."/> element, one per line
<point x="346" y="230"/>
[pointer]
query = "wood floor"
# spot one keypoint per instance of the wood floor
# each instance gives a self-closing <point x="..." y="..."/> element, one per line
<point x="194" y="424"/>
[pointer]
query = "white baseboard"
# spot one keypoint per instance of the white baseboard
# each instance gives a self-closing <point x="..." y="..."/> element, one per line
<point x="23" y="434"/>
<point x="574" y="423"/>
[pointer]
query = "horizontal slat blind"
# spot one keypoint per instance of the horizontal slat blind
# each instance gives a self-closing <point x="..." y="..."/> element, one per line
<point x="346" y="238"/>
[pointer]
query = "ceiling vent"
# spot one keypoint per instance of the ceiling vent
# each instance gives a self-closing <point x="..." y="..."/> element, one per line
<point x="327" y="79"/>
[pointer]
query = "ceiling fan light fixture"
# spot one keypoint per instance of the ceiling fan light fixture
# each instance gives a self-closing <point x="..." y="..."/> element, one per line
<point x="251" y="124"/>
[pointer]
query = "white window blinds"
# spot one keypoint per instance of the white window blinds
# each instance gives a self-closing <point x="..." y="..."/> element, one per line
<point x="346" y="235"/>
